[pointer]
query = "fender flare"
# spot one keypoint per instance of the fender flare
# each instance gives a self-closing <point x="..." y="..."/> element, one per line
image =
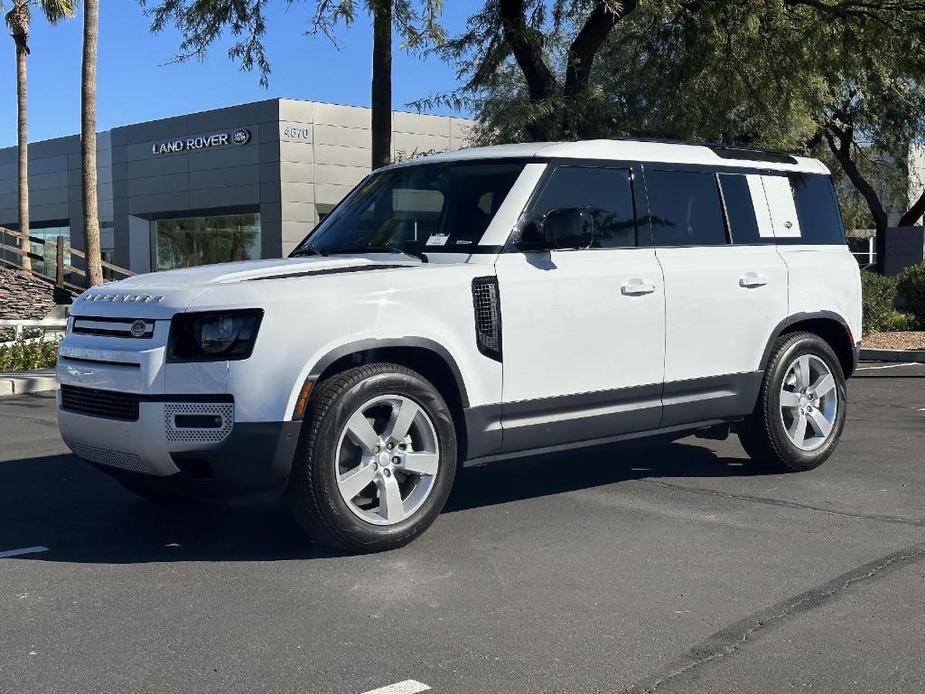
<point x="371" y="344"/>
<point x="813" y="315"/>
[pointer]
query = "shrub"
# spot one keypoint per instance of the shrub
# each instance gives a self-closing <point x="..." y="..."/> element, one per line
<point x="24" y="354"/>
<point x="900" y="321"/>
<point x="911" y="287"/>
<point x="877" y="294"/>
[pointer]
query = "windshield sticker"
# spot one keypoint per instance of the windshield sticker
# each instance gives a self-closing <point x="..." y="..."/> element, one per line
<point x="438" y="240"/>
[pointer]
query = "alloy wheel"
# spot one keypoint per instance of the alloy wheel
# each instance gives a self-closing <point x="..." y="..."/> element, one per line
<point x="387" y="459"/>
<point x="808" y="402"/>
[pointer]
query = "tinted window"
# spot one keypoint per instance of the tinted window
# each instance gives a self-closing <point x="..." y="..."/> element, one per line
<point x="740" y="211"/>
<point x="685" y="208"/>
<point x="817" y="209"/>
<point x="607" y="192"/>
<point x="432" y="208"/>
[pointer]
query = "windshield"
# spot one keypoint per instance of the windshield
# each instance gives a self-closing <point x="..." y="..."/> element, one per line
<point x="425" y="208"/>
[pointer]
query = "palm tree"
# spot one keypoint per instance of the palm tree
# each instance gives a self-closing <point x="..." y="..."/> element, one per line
<point x="381" y="98"/>
<point x="88" y="142"/>
<point x="18" y="19"/>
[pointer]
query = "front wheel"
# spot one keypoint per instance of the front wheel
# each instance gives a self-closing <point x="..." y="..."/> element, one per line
<point x="376" y="460"/>
<point x="800" y="413"/>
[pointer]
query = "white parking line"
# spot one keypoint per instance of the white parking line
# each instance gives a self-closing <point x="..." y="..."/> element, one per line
<point x="889" y="366"/>
<point x="19" y="552"/>
<point x="406" y="687"/>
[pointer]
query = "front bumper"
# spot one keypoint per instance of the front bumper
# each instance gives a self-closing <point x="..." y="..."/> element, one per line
<point x="233" y="460"/>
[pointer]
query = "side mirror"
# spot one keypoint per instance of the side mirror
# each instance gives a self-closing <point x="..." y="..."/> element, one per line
<point x="571" y="227"/>
<point x="531" y="236"/>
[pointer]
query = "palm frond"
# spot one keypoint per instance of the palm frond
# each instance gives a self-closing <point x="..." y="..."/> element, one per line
<point x="56" y="10"/>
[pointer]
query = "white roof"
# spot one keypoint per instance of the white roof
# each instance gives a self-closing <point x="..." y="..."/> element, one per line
<point x="623" y="150"/>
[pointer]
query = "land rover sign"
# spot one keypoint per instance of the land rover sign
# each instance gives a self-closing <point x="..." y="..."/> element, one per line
<point x="241" y="136"/>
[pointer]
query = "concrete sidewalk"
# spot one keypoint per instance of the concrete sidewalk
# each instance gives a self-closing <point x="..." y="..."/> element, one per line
<point x="22" y="382"/>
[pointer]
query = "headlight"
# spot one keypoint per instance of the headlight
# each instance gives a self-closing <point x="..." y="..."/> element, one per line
<point x="213" y="335"/>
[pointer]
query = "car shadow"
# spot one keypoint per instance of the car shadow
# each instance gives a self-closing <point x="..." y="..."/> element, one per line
<point x="536" y="476"/>
<point x="83" y="516"/>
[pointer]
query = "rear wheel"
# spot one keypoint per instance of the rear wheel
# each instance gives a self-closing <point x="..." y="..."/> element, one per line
<point x="800" y="413"/>
<point x="376" y="461"/>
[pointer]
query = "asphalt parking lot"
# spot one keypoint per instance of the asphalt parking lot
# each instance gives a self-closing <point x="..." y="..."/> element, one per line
<point x="670" y="567"/>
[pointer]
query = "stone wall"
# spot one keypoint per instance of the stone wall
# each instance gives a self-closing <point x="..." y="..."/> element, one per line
<point x="24" y="297"/>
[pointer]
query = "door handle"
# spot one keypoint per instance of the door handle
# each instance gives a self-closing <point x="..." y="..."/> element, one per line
<point x="636" y="287"/>
<point x="750" y="280"/>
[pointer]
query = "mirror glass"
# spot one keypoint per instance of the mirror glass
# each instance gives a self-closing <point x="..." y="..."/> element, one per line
<point x="569" y="228"/>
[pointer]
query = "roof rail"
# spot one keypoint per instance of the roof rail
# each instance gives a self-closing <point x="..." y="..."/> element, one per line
<point x="724" y="150"/>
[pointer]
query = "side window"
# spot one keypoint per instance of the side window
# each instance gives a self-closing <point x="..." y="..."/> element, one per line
<point x="817" y="209"/>
<point x="739" y="200"/>
<point x="685" y="208"/>
<point x="607" y="192"/>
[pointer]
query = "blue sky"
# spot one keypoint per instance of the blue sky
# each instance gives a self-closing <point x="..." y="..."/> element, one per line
<point x="138" y="82"/>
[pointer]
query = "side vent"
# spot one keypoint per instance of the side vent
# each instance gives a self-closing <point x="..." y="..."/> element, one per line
<point x="487" y="302"/>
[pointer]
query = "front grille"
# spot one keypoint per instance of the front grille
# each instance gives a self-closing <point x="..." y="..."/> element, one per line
<point x="132" y="328"/>
<point x="108" y="404"/>
<point x="487" y="304"/>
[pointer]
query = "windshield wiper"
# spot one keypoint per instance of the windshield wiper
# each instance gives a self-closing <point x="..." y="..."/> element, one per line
<point x="384" y="248"/>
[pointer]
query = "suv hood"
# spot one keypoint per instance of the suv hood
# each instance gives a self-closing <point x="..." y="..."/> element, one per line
<point x="161" y="294"/>
<point x="224" y="273"/>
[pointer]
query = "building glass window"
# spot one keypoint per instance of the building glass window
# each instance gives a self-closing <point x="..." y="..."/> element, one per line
<point x="49" y="249"/>
<point x="190" y="241"/>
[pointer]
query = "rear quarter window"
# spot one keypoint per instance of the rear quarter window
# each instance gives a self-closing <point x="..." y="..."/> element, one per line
<point x="817" y="210"/>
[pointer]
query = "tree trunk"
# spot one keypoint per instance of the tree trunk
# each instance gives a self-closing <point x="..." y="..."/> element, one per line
<point x="23" y="138"/>
<point x="88" y="143"/>
<point x="914" y="214"/>
<point x="382" y="84"/>
<point x="840" y="141"/>
<point x="528" y="52"/>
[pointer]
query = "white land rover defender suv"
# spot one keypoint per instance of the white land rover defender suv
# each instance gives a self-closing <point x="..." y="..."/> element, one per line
<point x="473" y="306"/>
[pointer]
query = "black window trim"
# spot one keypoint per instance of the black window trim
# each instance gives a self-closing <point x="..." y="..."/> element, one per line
<point x="644" y="234"/>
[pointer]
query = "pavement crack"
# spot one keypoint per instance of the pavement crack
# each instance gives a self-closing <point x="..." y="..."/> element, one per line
<point x="770" y="501"/>
<point x="733" y="638"/>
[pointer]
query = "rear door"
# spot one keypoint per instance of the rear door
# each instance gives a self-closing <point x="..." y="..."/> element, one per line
<point x="725" y="289"/>
<point x="583" y="329"/>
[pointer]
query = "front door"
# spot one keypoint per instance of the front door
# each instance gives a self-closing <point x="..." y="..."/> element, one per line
<point x="583" y="331"/>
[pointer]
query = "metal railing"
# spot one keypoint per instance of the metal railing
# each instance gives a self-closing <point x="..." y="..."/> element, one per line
<point x="867" y="258"/>
<point x="66" y="274"/>
<point x="53" y="326"/>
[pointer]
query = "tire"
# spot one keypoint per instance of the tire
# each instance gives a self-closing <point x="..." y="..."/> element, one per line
<point x="335" y="443"/>
<point x="764" y="434"/>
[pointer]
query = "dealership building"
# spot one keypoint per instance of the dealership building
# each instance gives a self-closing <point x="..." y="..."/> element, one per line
<point x="246" y="181"/>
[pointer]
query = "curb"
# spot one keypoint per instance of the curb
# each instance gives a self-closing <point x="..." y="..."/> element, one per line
<point x="916" y="356"/>
<point x="26" y="382"/>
